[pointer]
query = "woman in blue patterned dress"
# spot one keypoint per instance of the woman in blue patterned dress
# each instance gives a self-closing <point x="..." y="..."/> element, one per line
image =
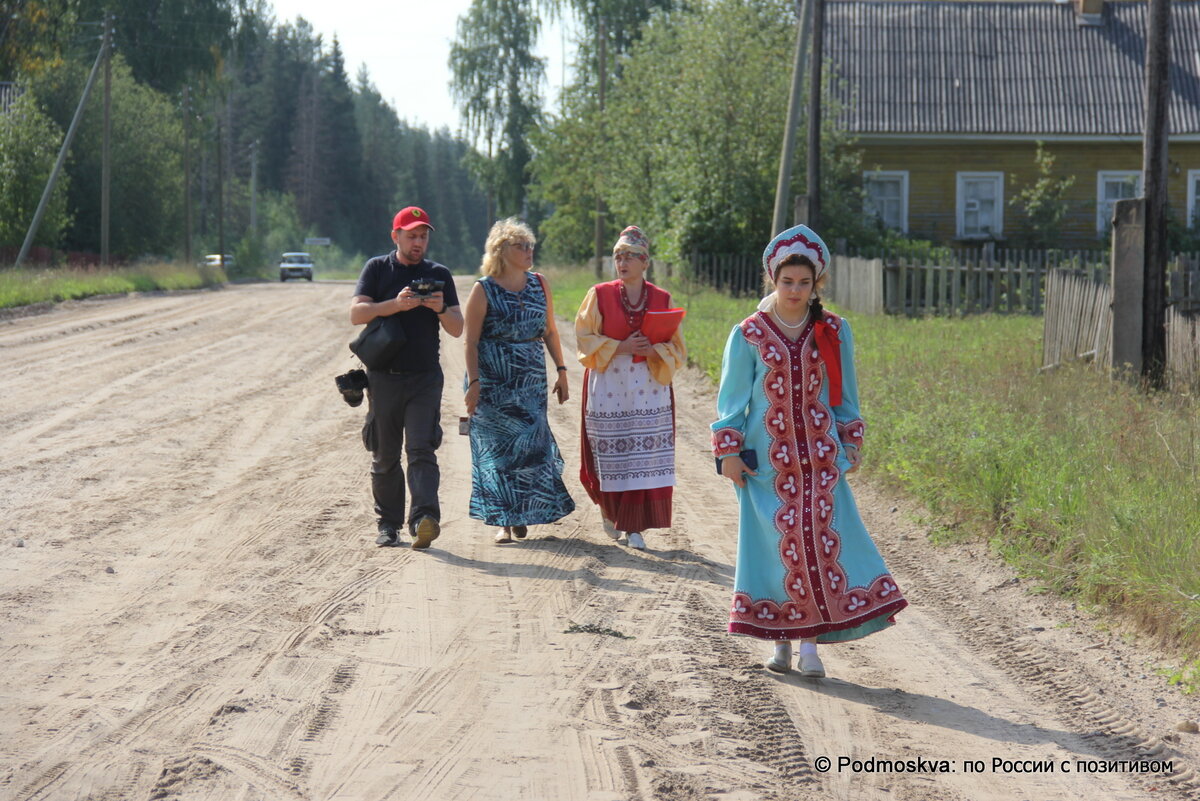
<point x="516" y="467"/>
<point x="806" y="567"/>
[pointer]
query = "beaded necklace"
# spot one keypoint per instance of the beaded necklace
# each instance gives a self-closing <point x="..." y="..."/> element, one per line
<point x="800" y="324"/>
<point x="633" y="314"/>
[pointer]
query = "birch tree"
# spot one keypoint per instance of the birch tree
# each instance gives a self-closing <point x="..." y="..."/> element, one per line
<point x="496" y="82"/>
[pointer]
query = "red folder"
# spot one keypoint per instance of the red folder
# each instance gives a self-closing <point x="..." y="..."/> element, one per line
<point x="660" y="326"/>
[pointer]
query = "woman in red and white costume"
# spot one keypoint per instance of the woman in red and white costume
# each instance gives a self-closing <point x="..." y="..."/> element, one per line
<point x="628" y="465"/>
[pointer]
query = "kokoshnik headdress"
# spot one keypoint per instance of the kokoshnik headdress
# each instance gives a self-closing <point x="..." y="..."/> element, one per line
<point x="801" y="240"/>
<point x="798" y="240"/>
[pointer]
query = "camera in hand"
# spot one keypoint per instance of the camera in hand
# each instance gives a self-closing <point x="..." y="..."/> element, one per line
<point x="424" y="287"/>
<point x="351" y="385"/>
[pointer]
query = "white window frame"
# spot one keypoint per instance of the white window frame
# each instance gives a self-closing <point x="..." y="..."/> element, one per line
<point x="1103" y="221"/>
<point x="1193" y="176"/>
<point x="960" y="209"/>
<point x="902" y="175"/>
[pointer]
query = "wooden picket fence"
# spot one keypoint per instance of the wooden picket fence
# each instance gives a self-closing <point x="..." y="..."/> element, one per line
<point x="1183" y="351"/>
<point x="949" y="281"/>
<point x="856" y="284"/>
<point x="1077" y="320"/>
<point x="1078" y="325"/>
<point x="735" y="274"/>
<point x="946" y="281"/>
<point x="1183" y="283"/>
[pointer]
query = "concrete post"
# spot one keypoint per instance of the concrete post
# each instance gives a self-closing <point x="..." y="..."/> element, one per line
<point x="1128" y="279"/>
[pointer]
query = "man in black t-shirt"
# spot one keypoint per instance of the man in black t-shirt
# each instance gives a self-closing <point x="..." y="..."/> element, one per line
<point x="406" y="397"/>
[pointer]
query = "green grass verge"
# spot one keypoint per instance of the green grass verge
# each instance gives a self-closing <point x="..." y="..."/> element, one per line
<point x="1087" y="483"/>
<point x="1090" y="485"/>
<point x="24" y="287"/>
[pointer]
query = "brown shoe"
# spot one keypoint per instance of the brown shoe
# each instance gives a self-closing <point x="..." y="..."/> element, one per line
<point x="427" y="531"/>
<point x="520" y="532"/>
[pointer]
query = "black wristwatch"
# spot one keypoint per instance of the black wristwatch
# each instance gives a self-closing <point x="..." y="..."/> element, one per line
<point x="561" y="368"/>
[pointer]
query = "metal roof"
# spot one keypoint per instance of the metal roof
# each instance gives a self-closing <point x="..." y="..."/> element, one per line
<point x="1003" y="68"/>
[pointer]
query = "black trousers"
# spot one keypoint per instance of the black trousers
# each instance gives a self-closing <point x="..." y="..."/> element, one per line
<point x="404" y="416"/>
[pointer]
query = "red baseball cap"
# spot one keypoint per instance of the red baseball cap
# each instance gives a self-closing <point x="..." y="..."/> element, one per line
<point x="410" y="217"/>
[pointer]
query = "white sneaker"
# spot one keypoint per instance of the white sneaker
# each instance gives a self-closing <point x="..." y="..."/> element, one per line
<point x="810" y="666"/>
<point x="610" y="529"/>
<point x="636" y="541"/>
<point x="781" y="662"/>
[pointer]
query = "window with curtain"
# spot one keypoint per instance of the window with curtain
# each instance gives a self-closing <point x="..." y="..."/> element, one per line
<point x="980" y="205"/>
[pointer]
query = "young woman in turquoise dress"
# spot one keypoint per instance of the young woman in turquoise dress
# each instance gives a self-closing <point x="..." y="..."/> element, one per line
<point x="516" y="467"/>
<point x="806" y="567"/>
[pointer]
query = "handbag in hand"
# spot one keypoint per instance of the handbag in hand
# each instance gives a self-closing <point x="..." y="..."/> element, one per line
<point x="380" y="341"/>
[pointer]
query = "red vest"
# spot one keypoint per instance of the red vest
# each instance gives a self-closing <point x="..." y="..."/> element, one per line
<point x="608" y="297"/>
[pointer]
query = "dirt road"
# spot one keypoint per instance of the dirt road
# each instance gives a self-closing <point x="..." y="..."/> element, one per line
<point x="192" y="607"/>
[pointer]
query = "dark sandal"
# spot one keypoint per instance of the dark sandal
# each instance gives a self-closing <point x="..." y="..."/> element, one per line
<point x="520" y="532"/>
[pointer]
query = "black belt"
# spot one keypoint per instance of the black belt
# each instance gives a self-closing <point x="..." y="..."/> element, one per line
<point x="390" y="371"/>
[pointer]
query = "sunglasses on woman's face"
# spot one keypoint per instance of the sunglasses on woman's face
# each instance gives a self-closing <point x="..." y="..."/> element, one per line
<point x="525" y="246"/>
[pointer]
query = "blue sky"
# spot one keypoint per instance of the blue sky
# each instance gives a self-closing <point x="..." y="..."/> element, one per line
<point x="405" y="46"/>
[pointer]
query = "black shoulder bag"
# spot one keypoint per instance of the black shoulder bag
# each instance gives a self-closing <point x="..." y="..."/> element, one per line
<point x="380" y="341"/>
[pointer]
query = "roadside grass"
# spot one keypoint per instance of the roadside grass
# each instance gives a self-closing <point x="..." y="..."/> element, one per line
<point x="24" y="287"/>
<point x="1088" y="485"/>
<point x="1186" y="677"/>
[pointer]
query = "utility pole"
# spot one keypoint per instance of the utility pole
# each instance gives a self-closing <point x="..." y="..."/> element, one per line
<point x="787" y="154"/>
<point x="1154" y="185"/>
<point x="62" y="156"/>
<point x="814" y="115"/>
<point x="254" y="188"/>
<point x="187" y="175"/>
<point x="491" y="184"/>
<point x="106" y="146"/>
<point x="220" y="189"/>
<point x="602" y="49"/>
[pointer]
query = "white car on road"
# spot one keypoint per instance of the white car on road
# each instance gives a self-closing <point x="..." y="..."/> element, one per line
<point x="295" y="265"/>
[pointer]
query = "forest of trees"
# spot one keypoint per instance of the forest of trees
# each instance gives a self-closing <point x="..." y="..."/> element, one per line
<point x="328" y="155"/>
<point x="673" y="121"/>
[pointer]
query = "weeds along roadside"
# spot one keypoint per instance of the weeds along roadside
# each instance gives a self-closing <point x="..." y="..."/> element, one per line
<point x="1084" y="483"/>
<point x="28" y="286"/>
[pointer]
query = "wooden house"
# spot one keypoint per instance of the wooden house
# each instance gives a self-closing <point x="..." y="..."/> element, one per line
<point x="947" y="101"/>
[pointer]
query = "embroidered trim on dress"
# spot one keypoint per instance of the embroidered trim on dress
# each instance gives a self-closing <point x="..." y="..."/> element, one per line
<point x="851" y="433"/>
<point x="803" y="451"/>
<point x="726" y="441"/>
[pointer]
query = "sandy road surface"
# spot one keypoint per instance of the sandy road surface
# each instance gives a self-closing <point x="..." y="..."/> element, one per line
<point x="251" y="642"/>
